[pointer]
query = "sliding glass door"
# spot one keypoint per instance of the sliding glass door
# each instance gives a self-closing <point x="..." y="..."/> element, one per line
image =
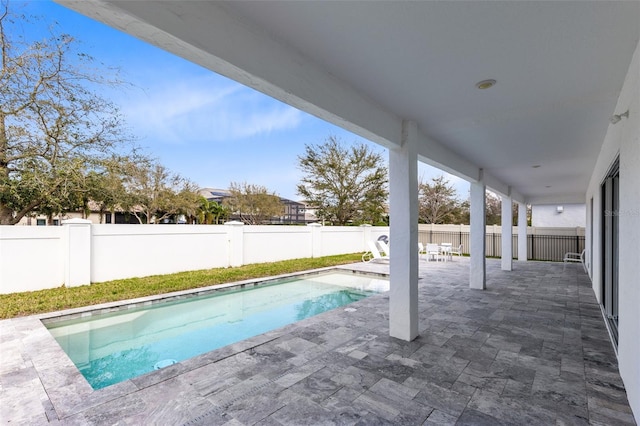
<point x="610" y="216"/>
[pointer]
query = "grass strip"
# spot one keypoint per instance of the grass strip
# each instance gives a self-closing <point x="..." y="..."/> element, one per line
<point x="55" y="299"/>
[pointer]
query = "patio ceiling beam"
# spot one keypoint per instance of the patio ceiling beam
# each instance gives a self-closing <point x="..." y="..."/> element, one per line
<point x="558" y="199"/>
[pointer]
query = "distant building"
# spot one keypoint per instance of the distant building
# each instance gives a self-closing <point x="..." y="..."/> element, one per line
<point x="213" y="194"/>
<point x="121" y="217"/>
<point x="295" y="212"/>
<point x="559" y="215"/>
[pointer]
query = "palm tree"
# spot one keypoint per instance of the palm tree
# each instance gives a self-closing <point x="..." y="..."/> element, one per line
<point x="211" y="212"/>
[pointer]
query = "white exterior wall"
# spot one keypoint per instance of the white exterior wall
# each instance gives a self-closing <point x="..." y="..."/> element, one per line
<point x="547" y="215"/>
<point x="31" y="258"/>
<point x="622" y="139"/>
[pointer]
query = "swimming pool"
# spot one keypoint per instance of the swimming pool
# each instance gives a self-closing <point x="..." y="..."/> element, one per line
<point x="112" y="347"/>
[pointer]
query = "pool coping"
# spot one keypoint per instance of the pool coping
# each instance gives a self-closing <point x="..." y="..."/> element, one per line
<point x="68" y="390"/>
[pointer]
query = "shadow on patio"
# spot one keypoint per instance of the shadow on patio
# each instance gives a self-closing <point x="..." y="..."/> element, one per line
<point x="531" y="349"/>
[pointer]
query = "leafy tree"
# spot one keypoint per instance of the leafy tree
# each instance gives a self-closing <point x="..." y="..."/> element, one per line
<point x="493" y="210"/>
<point x="462" y="214"/>
<point x="157" y="194"/>
<point x="345" y="184"/>
<point x="253" y="204"/>
<point x="106" y="187"/>
<point x="53" y="128"/>
<point x="438" y="202"/>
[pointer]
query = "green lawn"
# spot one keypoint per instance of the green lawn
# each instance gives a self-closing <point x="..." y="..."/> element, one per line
<point x="36" y="302"/>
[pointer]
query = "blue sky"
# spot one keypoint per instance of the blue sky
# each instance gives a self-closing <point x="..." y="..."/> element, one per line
<point x="206" y="127"/>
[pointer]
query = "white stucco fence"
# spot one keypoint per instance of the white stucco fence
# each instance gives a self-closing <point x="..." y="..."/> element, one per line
<point x="31" y="258"/>
<point x="36" y="258"/>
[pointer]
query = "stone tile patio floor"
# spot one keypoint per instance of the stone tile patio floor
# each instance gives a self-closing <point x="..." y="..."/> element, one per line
<point x="531" y="349"/>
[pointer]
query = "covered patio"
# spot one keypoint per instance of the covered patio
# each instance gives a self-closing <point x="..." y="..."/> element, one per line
<point x="536" y="101"/>
<point x="530" y="349"/>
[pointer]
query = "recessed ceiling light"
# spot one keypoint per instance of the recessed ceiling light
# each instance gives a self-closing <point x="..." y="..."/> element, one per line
<point x="485" y="84"/>
<point x="536" y="166"/>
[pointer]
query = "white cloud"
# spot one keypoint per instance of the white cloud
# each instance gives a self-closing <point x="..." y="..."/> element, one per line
<point x="205" y="109"/>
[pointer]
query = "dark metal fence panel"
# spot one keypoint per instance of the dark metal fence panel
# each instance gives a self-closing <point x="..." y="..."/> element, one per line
<point x="539" y="247"/>
<point x="439" y="237"/>
<point x="553" y="247"/>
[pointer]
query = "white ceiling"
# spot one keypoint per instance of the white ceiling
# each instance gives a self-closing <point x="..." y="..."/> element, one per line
<point x="559" y="68"/>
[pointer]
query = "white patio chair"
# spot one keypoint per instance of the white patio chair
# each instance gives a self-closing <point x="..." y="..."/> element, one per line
<point x="457" y="251"/>
<point x="384" y="248"/>
<point x="445" y="251"/>
<point x="373" y="253"/>
<point x="571" y="257"/>
<point x="421" y="250"/>
<point x="432" y="251"/>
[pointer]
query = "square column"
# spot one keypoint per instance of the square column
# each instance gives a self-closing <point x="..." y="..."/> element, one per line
<point x="235" y="241"/>
<point x="507" y="233"/>
<point x="77" y="252"/>
<point x="477" y="261"/>
<point x="403" y="213"/>
<point x="522" y="232"/>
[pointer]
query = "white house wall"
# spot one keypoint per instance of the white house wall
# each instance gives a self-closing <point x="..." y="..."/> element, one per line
<point x="547" y="215"/>
<point x="622" y="139"/>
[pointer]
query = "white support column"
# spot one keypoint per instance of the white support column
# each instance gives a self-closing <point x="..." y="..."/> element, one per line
<point x="522" y="232"/>
<point x="507" y="233"/>
<point x="477" y="266"/>
<point x="77" y="256"/>
<point x="403" y="196"/>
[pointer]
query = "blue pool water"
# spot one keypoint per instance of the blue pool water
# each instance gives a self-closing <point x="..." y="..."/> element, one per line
<point x="111" y="348"/>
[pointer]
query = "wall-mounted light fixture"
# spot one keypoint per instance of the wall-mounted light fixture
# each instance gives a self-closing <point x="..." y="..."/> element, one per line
<point x="485" y="84"/>
<point x="560" y="209"/>
<point x="617" y="117"/>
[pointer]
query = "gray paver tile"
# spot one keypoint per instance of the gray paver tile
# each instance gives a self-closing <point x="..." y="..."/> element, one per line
<point x="440" y="418"/>
<point x="317" y="387"/>
<point x="253" y="408"/>
<point x="356" y="378"/>
<point x="475" y="418"/>
<point x="510" y="410"/>
<point x="303" y="411"/>
<point x="446" y="400"/>
<point x="615" y="412"/>
<point x="393" y="390"/>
